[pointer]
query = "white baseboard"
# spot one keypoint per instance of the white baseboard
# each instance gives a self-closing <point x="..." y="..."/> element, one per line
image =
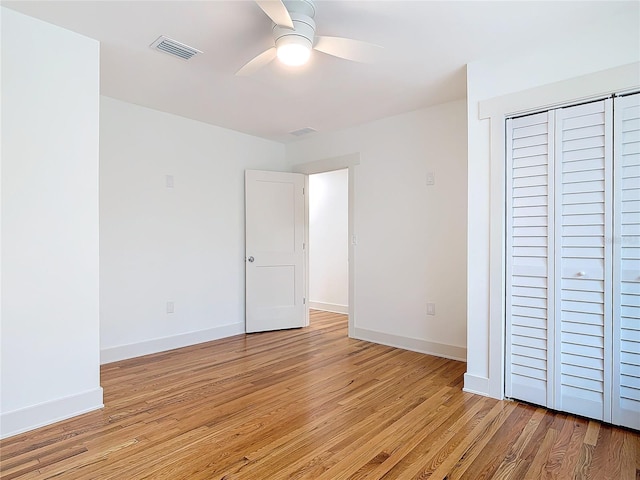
<point x="35" y="416"/>
<point x="476" y="384"/>
<point x="422" y="346"/>
<point x="132" y="350"/>
<point x="329" y="307"/>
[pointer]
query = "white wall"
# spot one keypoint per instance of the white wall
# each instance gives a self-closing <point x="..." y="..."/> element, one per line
<point x="50" y="126"/>
<point x="183" y="244"/>
<point x="328" y="241"/>
<point x="411" y="237"/>
<point x="544" y="76"/>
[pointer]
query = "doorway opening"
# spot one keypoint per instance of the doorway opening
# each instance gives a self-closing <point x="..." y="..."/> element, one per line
<point x="350" y="162"/>
<point x="328" y="224"/>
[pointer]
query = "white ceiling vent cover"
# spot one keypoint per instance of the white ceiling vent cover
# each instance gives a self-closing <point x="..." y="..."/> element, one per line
<point x="172" y="47"/>
<point x="303" y="131"/>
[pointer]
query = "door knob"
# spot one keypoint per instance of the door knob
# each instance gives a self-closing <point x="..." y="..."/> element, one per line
<point x="250" y="259"/>
<point x="581" y="274"/>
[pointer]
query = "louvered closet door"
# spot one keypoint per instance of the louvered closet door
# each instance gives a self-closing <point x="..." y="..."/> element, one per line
<point x="529" y="283"/>
<point x="583" y="226"/>
<point x="626" y="268"/>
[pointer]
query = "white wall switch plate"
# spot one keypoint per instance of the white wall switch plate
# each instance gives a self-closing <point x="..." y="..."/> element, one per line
<point x="431" y="178"/>
<point x="431" y="308"/>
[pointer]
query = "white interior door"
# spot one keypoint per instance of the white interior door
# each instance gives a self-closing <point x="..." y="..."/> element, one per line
<point x="274" y="222"/>
<point x="583" y="226"/>
<point x="530" y="290"/>
<point x="626" y="266"/>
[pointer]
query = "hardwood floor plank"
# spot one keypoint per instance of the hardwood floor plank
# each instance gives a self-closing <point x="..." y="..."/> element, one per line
<point x="602" y="463"/>
<point x="310" y="404"/>
<point x="593" y="430"/>
<point x="514" y="458"/>
<point x="539" y="462"/>
<point x="572" y="454"/>
<point x="476" y="441"/>
<point x="409" y="425"/>
<point x="423" y="457"/>
<point x="485" y="465"/>
<point x="636" y="440"/>
<point x="531" y="449"/>
<point x="628" y="454"/>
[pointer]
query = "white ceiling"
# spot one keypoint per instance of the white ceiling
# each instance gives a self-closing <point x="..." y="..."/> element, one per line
<point x="427" y="45"/>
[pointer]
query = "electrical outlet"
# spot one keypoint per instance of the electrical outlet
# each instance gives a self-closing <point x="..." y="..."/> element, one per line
<point x="169" y="307"/>
<point x="431" y="308"/>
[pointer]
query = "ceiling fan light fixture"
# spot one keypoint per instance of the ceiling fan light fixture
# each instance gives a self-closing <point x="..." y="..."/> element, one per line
<point x="292" y="46"/>
<point x="293" y="50"/>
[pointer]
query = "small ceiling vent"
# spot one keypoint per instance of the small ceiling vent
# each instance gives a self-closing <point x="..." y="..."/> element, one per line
<point x="172" y="47"/>
<point x="302" y="131"/>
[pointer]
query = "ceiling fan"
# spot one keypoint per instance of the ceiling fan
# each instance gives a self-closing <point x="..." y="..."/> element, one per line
<point x="294" y="36"/>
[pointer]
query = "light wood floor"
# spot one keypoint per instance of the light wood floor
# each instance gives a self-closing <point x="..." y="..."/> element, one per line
<point x="312" y="404"/>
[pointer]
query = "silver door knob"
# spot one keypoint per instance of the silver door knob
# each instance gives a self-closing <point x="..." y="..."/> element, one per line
<point x="250" y="259"/>
<point x="581" y="274"/>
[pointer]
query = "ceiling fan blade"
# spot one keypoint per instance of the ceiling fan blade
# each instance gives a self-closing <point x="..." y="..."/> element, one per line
<point x="257" y="63"/>
<point x="348" y="48"/>
<point x="277" y="12"/>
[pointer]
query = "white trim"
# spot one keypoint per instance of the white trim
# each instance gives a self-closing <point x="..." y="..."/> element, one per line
<point x="497" y="255"/>
<point x="415" y="345"/>
<point x="349" y="161"/>
<point x="328" y="164"/>
<point x="305" y="254"/>
<point x="329" y="307"/>
<point x="608" y="259"/>
<point x="553" y="352"/>
<point x="508" y="377"/>
<point x="476" y="384"/>
<point x="586" y="87"/>
<point x="132" y="350"/>
<point x="590" y="87"/>
<point x="352" y="248"/>
<point x="46" y="413"/>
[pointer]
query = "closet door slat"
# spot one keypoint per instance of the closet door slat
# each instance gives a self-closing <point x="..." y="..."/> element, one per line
<point x="583" y="228"/>
<point x="626" y="263"/>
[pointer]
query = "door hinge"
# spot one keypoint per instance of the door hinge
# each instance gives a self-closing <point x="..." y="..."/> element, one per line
<point x="304" y="301"/>
<point x="304" y="245"/>
<point x="302" y="190"/>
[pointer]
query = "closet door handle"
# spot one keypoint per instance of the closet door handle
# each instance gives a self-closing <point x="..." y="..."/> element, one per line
<point x="581" y="274"/>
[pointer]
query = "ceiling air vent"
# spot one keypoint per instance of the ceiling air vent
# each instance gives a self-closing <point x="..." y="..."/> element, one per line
<point x="177" y="49"/>
<point x="302" y="131"/>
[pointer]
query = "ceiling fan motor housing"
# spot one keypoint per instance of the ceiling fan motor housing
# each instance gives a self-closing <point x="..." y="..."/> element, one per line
<point x="306" y="7"/>
<point x="304" y="29"/>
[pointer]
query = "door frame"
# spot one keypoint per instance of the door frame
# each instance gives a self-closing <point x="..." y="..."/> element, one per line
<point x="349" y="162"/>
<point x="593" y="86"/>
